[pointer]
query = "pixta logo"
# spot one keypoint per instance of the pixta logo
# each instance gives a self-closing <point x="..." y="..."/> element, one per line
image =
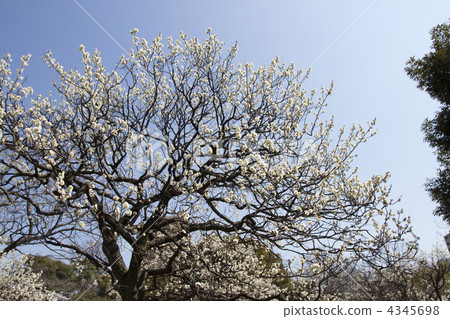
<point x="147" y="152"/>
<point x="150" y="151"/>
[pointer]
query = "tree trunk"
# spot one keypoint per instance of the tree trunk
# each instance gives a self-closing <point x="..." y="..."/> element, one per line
<point x="130" y="284"/>
<point x="128" y="293"/>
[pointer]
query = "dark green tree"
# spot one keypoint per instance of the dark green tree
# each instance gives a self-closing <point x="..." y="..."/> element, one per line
<point x="432" y="74"/>
<point x="70" y="281"/>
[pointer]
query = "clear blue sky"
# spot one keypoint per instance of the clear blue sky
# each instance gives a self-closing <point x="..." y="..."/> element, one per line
<point x="366" y="64"/>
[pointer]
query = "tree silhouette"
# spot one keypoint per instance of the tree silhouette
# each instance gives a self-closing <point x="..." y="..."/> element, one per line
<point x="432" y="74"/>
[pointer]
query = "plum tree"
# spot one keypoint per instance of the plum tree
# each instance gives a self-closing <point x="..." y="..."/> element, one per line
<point x="176" y="145"/>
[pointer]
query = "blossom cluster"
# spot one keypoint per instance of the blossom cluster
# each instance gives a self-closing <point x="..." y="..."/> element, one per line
<point x="19" y="282"/>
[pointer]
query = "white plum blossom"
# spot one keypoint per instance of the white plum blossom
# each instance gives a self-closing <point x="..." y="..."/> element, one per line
<point x="19" y="282"/>
<point x="179" y="144"/>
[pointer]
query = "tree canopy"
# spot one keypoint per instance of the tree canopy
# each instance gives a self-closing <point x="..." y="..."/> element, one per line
<point x="79" y="281"/>
<point x="133" y="169"/>
<point x="432" y="74"/>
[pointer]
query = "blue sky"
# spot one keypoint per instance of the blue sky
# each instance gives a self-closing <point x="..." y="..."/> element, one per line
<point x="366" y="64"/>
